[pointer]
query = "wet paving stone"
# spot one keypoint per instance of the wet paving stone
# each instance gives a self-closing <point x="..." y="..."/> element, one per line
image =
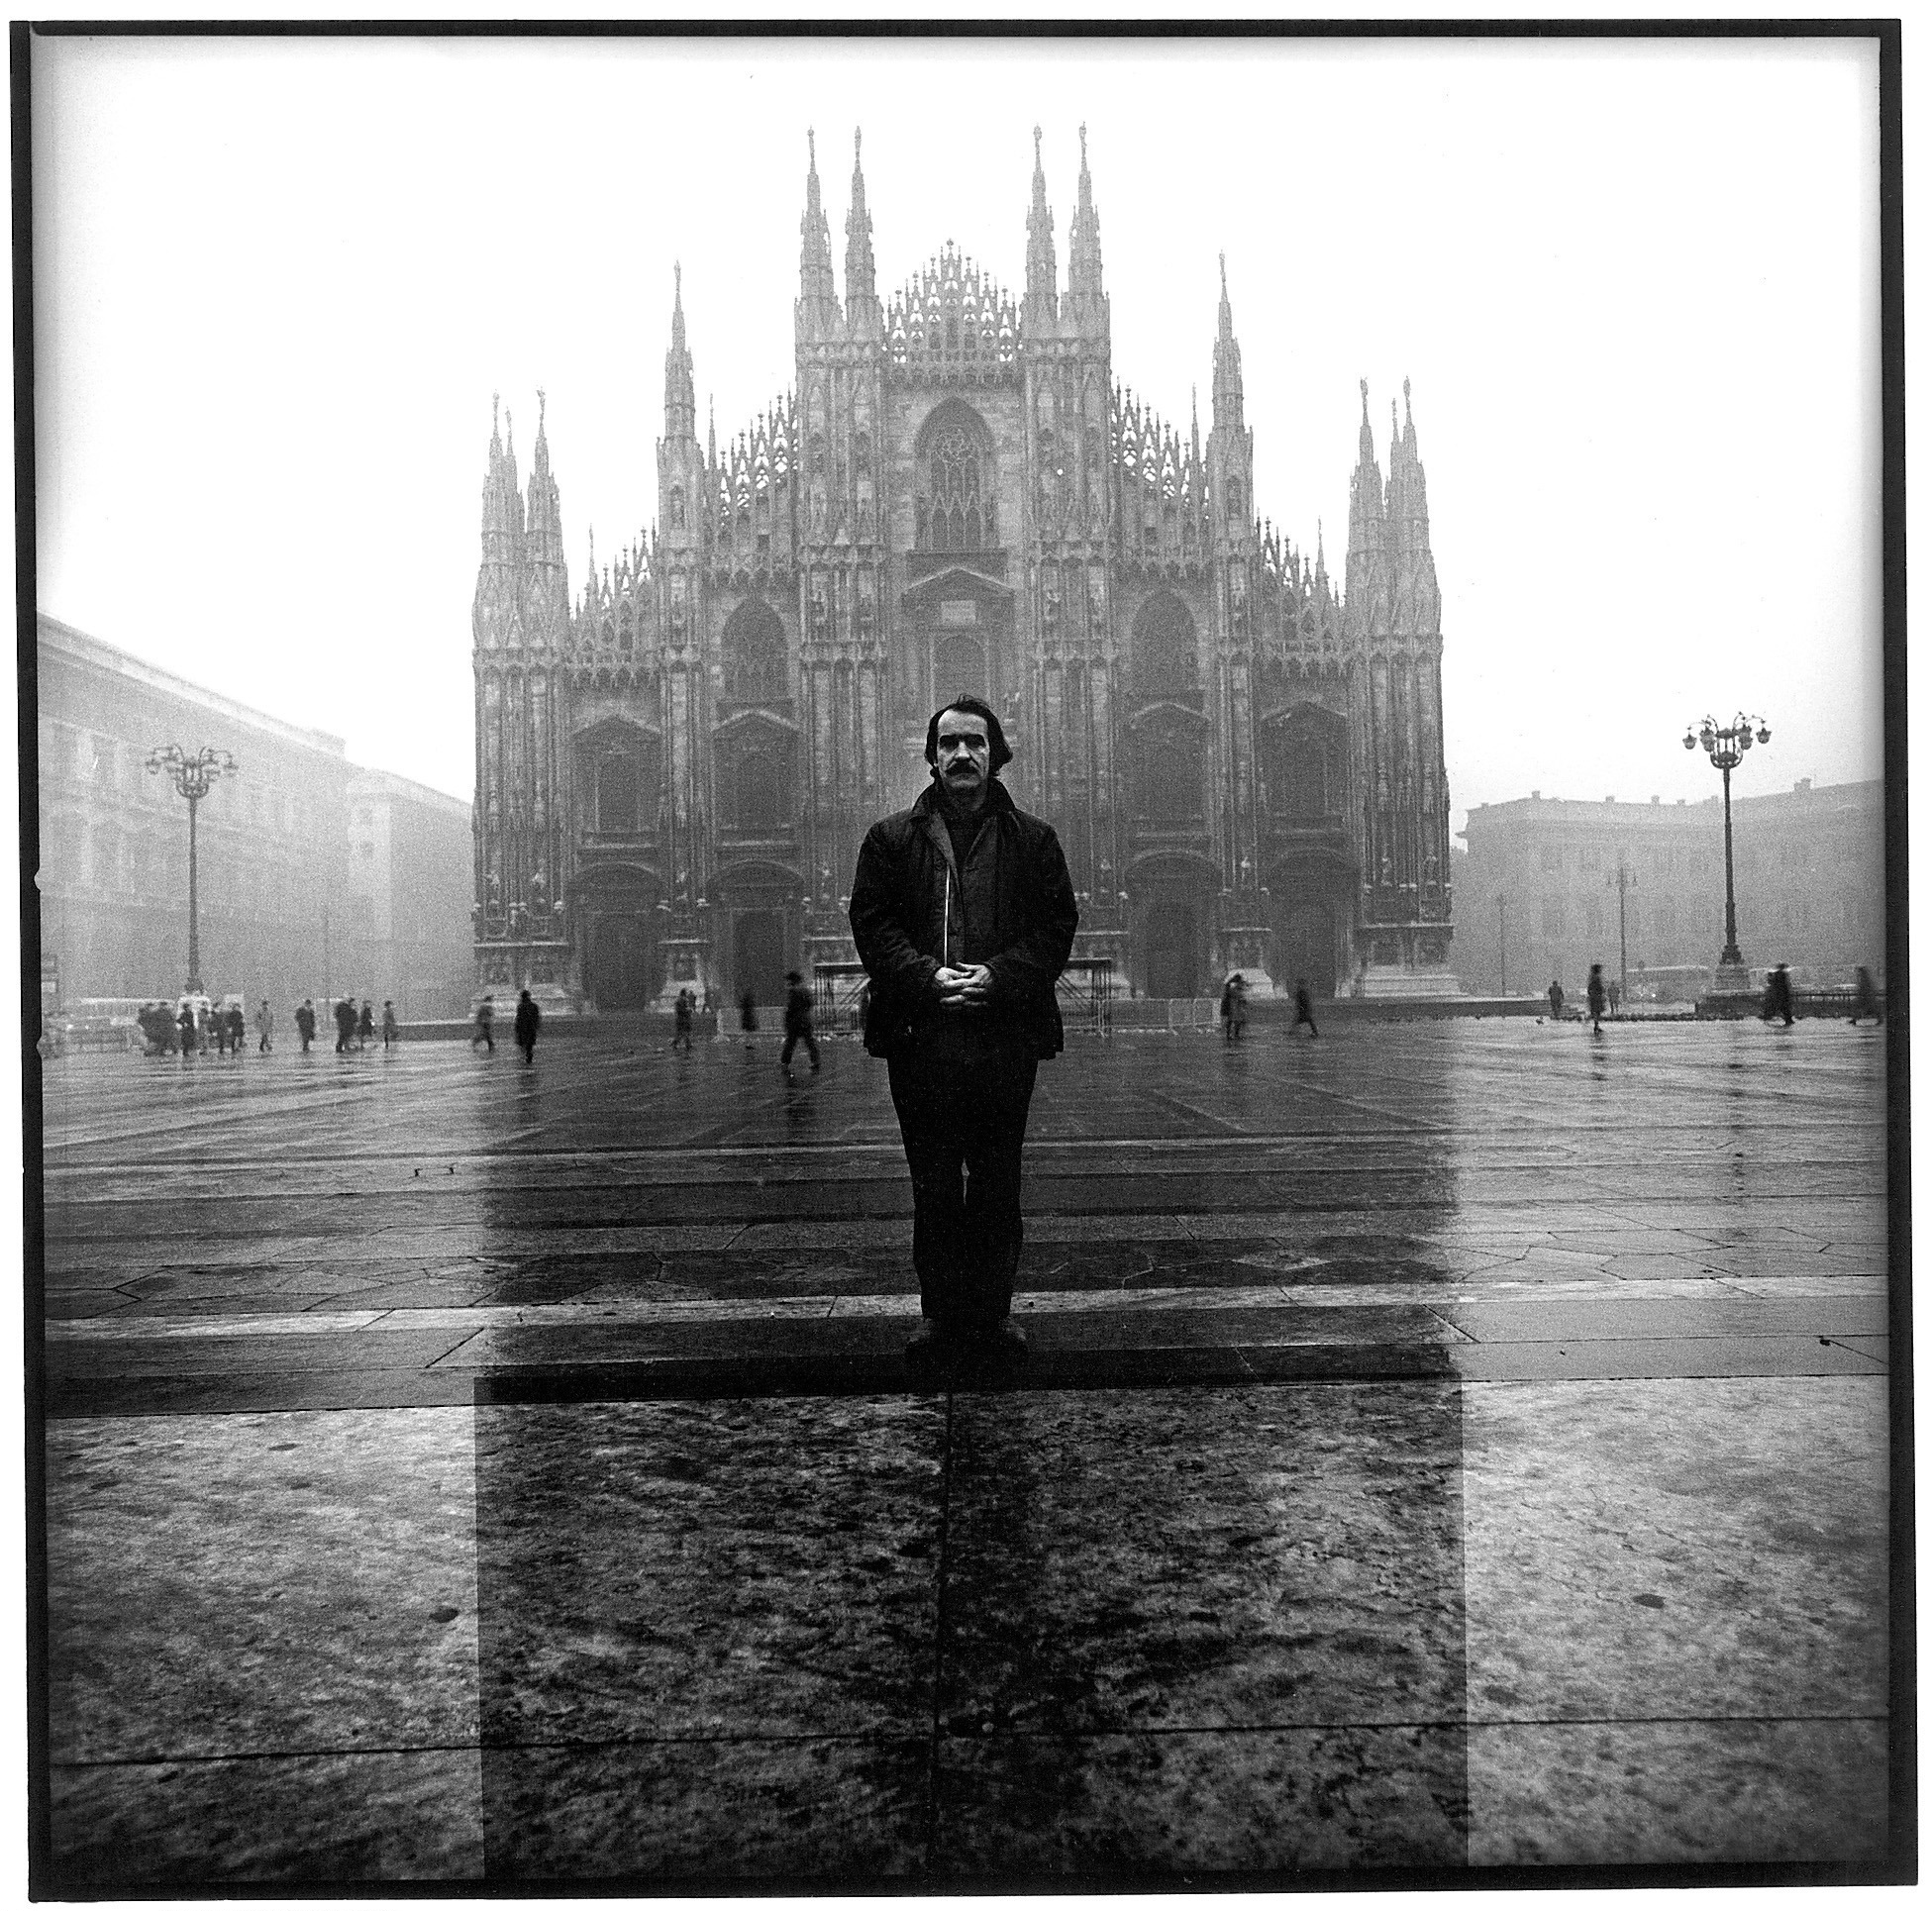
<point x="1450" y="1445"/>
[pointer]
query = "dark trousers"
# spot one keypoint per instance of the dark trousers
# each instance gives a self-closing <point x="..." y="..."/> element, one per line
<point x="792" y="1040"/>
<point x="961" y="1098"/>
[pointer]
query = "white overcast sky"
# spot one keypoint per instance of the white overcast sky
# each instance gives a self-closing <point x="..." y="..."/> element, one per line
<point x="1634" y="285"/>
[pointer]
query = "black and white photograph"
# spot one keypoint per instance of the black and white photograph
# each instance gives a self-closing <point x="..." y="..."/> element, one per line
<point x="969" y="960"/>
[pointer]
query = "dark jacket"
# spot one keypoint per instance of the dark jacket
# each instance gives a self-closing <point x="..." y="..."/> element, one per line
<point x="530" y="1018"/>
<point x="1011" y="907"/>
<point x="799" y="1010"/>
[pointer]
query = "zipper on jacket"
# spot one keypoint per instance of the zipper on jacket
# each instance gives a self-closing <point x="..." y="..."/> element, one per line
<point x="945" y="924"/>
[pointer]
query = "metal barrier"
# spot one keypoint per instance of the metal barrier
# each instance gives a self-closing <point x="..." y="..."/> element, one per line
<point x="1085" y="991"/>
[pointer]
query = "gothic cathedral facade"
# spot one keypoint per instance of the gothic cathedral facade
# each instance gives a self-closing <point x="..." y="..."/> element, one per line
<point x="675" y="767"/>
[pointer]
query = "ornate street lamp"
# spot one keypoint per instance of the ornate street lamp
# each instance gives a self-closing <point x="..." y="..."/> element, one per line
<point x="193" y="777"/>
<point x="1725" y="747"/>
<point x="1624" y="881"/>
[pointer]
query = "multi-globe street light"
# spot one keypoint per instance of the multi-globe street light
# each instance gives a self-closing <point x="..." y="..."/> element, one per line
<point x="1725" y="744"/>
<point x="193" y="776"/>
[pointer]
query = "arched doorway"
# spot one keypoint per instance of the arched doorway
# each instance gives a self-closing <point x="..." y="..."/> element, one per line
<point x="620" y="976"/>
<point x="1173" y="948"/>
<point x="1307" y="946"/>
<point x="758" y="948"/>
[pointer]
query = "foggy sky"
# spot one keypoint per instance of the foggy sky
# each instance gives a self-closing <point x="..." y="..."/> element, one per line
<point x="1634" y="286"/>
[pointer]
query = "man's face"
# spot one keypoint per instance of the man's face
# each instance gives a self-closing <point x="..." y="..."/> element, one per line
<point x="964" y="761"/>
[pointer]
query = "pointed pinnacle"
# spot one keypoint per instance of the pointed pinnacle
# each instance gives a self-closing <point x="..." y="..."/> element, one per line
<point x="811" y="149"/>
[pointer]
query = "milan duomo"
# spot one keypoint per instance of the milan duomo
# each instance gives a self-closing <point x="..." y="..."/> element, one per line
<point x="1244" y="762"/>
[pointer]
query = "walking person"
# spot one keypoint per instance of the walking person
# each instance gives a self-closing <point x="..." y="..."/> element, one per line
<point x="530" y="1018"/>
<point x="185" y="1023"/>
<point x="485" y="1028"/>
<point x="220" y="1019"/>
<point x="1304" y="1010"/>
<point x="963" y="917"/>
<point x="1555" y="1000"/>
<point x="1594" y="994"/>
<point x="1865" y="999"/>
<point x="681" y="1032"/>
<point x="798" y="1021"/>
<point x="265" y="1028"/>
<point x="237" y="1029"/>
<point x="344" y="1022"/>
<point x="391" y="1029"/>
<point x="748" y="1017"/>
<point x="1777" y="995"/>
<point x="365" y="1024"/>
<point x="305" y="1022"/>
<point x="1234" y="1007"/>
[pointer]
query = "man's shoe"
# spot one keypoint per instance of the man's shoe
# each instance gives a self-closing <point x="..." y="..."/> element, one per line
<point x="1005" y="1337"/>
<point x="929" y="1344"/>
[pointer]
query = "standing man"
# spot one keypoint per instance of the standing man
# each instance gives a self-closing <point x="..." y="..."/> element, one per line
<point x="963" y="917"/>
<point x="1594" y="994"/>
<point x="798" y="1021"/>
<point x="344" y="1022"/>
<point x="1304" y="1009"/>
<point x="264" y="1026"/>
<point x="391" y="1027"/>
<point x="530" y="1018"/>
<point x="305" y="1022"/>
<point x="1556" y="999"/>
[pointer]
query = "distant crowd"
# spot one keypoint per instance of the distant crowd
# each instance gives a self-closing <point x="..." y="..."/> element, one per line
<point x="198" y="1025"/>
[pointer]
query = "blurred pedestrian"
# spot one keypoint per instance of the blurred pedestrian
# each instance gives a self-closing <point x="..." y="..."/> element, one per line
<point x="747" y="1016"/>
<point x="682" y="1014"/>
<point x="237" y="1029"/>
<point x="1594" y="994"/>
<point x="365" y="1024"/>
<point x="1777" y="995"/>
<point x="1616" y="997"/>
<point x="485" y="1028"/>
<point x="391" y="1029"/>
<point x="1865" y="999"/>
<point x="530" y="1018"/>
<point x="305" y="1022"/>
<point x="185" y="1022"/>
<point x="264" y="1027"/>
<point x="1304" y="1010"/>
<point x="798" y="1021"/>
<point x="1555" y="1000"/>
<point x="1234" y="1008"/>
<point x="344" y="1022"/>
<point x="221" y="1032"/>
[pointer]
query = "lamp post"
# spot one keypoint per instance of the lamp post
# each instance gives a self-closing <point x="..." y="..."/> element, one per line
<point x="193" y="777"/>
<point x="1725" y="747"/>
<point x="1625" y="878"/>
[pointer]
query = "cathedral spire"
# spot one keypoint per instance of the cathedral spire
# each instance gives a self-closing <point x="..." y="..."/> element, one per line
<point x="1083" y="290"/>
<point x="1042" y="273"/>
<point x="818" y="295"/>
<point x="681" y="397"/>
<point x="1367" y="546"/>
<point x="1227" y="364"/>
<point x="861" y="295"/>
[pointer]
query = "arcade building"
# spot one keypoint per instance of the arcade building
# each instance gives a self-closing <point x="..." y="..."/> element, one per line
<point x="1243" y="755"/>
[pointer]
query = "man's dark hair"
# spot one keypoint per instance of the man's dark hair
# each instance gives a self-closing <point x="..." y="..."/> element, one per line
<point x="974" y="707"/>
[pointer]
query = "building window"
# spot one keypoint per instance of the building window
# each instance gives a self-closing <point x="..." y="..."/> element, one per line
<point x="1552" y="916"/>
<point x="757" y="790"/>
<point x="1552" y="859"/>
<point x="1173" y="793"/>
<point x="617" y="795"/>
<point x="954" y="506"/>
<point x="753" y="655"/>
<point x="1166" y="660"/>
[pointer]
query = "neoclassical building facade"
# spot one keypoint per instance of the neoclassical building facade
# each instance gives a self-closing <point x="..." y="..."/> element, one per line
<point x="1243" y="755"/>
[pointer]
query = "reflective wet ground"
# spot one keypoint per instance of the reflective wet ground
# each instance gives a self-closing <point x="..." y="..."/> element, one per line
<point x="1443" y="1443"/>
